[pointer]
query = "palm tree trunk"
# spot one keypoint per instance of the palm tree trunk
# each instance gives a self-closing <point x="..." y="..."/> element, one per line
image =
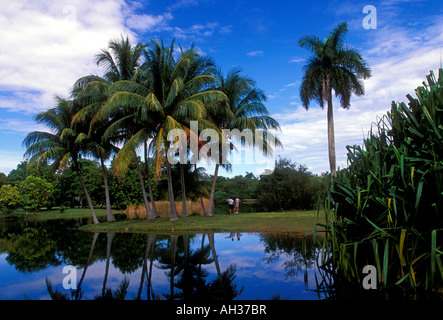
<point x="331" y="137"/>
<point x="203" y="206"/>
<point x="148" y="180"/>
<point x="88" y="198"/>
<point x="182" y="181"/>
<point x="172" y="209"/>
<point x="109" y="215"/>
<point x="149" y="214"/>
<point x="210" y="211"/>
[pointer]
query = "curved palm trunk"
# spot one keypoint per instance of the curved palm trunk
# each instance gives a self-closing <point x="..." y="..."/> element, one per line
<point x="149" y="214"/>
<point x="182" y="180"/>
<point x="109" y="215"/>
<point x="203" y="206"/>
<point x="331" y="137"/>
<point x="210" y="211"/>
<point x="172" y="209"/>
<point x="88" y="198"/>
<point x="148" y="180"/>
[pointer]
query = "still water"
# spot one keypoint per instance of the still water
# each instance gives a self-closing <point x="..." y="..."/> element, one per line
<point x="33" y="256"/>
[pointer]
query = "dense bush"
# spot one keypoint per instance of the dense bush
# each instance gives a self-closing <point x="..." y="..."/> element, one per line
<point x="290" y="187"/>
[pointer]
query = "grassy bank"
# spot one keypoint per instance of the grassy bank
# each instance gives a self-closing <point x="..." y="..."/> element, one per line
<point x="54" y="214"/>
<point x="297" y="222"/>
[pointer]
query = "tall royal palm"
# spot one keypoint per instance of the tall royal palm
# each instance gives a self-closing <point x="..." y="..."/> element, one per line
<point x="167" y="98"/>
<point x="333" y="66"/>
<point x="63" y="145"/>
<point x="244" y="109"/>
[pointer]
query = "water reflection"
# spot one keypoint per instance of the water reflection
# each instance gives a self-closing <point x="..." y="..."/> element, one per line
<point x="149" y="266"/>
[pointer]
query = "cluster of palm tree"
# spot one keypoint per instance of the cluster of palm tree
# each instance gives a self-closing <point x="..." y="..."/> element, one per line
<point x="145" y="91"/>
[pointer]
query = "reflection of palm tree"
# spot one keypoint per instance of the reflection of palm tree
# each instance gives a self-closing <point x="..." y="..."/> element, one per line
<point x="119" y="294"/>
<point x="301" y="251"/>
<point x="224" y="288"/>
<point x="192" y="281"/>
<point x="76" y="294"/>
<point x="168" y="262"/>
<point x="149" y="247"/>
<point x="108" y="258"/>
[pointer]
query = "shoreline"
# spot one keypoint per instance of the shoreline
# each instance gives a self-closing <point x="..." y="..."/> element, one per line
<point x="299" y="222"/>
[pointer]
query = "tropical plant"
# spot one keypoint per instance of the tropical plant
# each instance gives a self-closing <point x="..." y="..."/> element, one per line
<point x="173" y="92"/>
<point x="9" y="198"/>
<point x="386" y="208"/>
<point x="120" y="62"/>
<point x="333" y="66"/>
<point x="34" y="192"/>
<point x="62" y="145"/>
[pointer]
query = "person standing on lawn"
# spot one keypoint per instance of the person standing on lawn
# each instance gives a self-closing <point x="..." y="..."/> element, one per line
<point x="231" y="205"/>
<point x="237" y="205"/>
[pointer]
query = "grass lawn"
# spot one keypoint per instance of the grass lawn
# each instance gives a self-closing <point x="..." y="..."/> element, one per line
<point x="298" y="222"/>
<point x="56" y="214"/>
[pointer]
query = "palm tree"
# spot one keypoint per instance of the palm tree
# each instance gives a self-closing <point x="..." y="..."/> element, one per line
<point x="332" y="66"/>
<point x="244" y="109"/>
<point x="90" y="98"/>
<point x="173" y="92"/>
<point x="63" y="145"/>
<point x="120" y="62"/>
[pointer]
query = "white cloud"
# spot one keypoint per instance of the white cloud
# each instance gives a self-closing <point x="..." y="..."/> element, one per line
<point x="296" y="60"/>
<point x="257" y="53"/>
<point x="147" y="22"/>
<point x="47" y="46"/>
<point x="200" y="31"/>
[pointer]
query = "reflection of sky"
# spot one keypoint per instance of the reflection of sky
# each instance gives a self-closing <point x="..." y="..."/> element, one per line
<point x="260" y="279"/>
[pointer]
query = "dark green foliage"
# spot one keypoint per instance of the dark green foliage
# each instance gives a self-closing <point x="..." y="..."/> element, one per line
<point x="243" y="187"/>
<point x="290" y="187"/>
<point x="34" y="193"/>
<point x="388" y="204"/>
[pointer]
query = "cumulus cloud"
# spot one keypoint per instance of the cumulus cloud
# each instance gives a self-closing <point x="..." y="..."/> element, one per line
<point x="147" y="22"/>
<point x="47" y="45"/>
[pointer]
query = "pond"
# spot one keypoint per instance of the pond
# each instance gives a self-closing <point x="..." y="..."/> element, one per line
<point x="48" y="260"/>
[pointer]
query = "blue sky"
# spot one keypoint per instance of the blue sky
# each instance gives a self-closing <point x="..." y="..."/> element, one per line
<point x="47" y="45"/>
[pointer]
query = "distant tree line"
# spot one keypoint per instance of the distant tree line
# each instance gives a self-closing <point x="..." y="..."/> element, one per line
<point x="290" y="187"/>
